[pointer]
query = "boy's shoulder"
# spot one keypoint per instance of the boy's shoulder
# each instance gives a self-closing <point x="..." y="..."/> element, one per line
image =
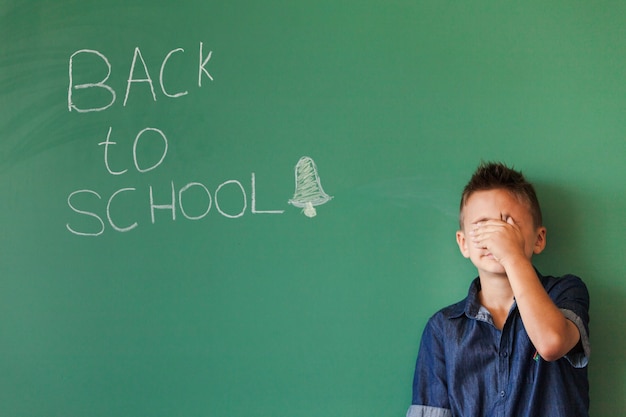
<point x="468" y="304"/>
<point x="450" y="312"/>
<point x="568" y="279"/>
<point x="454" y="310"/>
<point x="447" y="318"/>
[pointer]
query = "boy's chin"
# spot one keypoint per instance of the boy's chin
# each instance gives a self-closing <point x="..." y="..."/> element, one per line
<point x="488" y="265"/>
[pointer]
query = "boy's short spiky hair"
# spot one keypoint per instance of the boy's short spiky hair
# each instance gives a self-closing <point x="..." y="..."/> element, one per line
<point x="496" y="175"/>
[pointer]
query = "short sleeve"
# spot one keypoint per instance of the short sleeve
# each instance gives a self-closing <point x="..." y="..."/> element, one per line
<point x="571" y="296"/>
<point x="430" y="392"/>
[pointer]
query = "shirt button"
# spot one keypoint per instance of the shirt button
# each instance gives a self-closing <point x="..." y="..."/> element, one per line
<point x="504" y="354"/>
<point x="502" y="394"/>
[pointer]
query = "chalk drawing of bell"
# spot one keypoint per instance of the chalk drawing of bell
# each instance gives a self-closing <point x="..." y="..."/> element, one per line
<point x="309" y="192"/>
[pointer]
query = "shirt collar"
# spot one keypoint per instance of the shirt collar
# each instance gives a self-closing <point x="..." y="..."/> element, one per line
<point x="471" y="306"/>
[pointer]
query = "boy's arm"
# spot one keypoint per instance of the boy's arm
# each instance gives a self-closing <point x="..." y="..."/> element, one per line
<point x="552" y="334"/>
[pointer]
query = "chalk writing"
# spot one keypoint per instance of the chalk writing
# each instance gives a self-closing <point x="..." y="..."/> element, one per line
<point x="194" y="200"/>
<point x="108" y="142"/>
<point x="74" y="89"/>
<point x="173" y="203"/>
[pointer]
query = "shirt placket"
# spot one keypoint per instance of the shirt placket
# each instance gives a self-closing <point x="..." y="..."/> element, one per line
<point x="504" y="367"/>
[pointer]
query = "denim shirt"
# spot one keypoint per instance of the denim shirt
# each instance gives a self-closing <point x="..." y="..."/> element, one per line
<point x="466" y="367"/>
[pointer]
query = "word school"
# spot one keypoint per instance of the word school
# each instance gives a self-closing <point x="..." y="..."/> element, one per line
<point x="172" y="204"/>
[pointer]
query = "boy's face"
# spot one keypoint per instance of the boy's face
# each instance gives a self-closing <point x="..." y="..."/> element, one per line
<point x="499" y="205"/>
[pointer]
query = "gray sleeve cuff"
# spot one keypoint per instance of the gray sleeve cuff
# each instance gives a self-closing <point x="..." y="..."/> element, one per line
<point x="578" y="359"/>
<point x="425" y="411"/>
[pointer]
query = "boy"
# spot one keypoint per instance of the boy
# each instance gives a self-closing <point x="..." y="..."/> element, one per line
<point x="517" y="346"/>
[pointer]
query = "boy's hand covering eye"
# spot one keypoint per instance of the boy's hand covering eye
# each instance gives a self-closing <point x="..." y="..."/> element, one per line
<point x="502" y="239"/>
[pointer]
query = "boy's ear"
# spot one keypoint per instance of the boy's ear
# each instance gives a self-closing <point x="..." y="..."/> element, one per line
<point x="540" y="242"/>
<point x="462" y="242"/>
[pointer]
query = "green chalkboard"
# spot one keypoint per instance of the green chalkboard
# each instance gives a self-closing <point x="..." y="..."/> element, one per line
<point x="248" y="208"/>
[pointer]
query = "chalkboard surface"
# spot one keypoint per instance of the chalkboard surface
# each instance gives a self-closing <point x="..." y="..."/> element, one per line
<point x="248" y="208"/>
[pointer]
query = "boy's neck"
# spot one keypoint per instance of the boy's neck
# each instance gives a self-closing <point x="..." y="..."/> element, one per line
<point x="496" y="295"/>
